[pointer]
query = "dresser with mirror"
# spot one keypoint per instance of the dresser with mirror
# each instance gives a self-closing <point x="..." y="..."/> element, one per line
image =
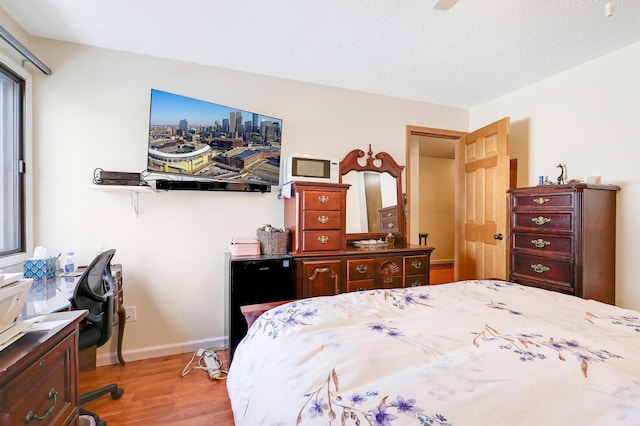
<point x="351" y="235"/>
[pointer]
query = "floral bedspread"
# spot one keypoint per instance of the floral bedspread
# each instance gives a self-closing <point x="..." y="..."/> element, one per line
<point x="467" y="353"/>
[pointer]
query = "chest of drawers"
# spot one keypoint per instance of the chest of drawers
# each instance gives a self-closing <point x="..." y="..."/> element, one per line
<point x="563" y="239"/>
<point x="315" y="217"/>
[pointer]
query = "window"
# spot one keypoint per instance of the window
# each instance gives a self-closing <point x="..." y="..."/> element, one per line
<point x="12" y="182"/>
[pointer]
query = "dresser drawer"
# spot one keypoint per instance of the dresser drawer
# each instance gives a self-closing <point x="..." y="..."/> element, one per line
<point x="415" y="280"/>
<point x="389" y="272"/>
<point x="319" y="219"/>
<point x="361" y="285"/>
<point x="415" y="265"/>
<point x="562" y="221"/>
<point x="389" y="224"/>
<point x="360" y="269"/>
<point x="543" y="200"/>
<point x="321" y="240"/>
<point x="322" y="200"/>
<point x="543" y="268"/>
<point x="543" y="243"/>
<point x="42" y="389"/>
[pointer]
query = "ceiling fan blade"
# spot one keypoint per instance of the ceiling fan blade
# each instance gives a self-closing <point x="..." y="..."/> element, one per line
<point x="444" y="4"/>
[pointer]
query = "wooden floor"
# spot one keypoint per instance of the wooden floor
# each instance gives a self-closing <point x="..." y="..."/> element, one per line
<point x="156" y="393"/>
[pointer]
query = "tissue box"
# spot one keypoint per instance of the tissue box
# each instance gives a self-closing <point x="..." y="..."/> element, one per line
<point x="244" y="247"/>
<point x="40" y="269"/>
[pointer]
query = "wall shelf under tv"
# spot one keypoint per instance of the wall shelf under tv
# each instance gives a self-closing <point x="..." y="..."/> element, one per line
<point x="207" y="185"/>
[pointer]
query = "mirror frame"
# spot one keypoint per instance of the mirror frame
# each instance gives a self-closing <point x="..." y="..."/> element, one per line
<point x="386" y="164"/>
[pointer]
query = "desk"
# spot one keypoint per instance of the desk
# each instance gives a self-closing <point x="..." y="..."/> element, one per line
<point x="39" y="374"/>
<point x="54" y="295"/>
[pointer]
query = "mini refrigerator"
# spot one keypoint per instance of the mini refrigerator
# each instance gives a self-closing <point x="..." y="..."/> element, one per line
<point x="253" y="280"/>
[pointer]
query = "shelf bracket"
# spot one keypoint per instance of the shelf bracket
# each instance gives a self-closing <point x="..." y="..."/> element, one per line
<point x="133" y="195"/>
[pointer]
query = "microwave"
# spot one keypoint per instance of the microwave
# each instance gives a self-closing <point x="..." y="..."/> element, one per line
<point x="312" y="168"/>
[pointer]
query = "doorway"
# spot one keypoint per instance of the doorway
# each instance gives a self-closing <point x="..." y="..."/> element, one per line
<point x="431" y="176"/>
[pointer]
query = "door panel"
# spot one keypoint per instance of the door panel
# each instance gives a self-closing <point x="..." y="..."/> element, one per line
<point x="484" y="172"/>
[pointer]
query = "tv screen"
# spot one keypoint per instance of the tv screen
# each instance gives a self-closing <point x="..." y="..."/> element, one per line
<point x="195" y="140"/>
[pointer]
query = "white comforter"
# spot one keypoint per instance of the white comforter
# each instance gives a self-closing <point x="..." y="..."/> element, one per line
<point x="466" y="353"/>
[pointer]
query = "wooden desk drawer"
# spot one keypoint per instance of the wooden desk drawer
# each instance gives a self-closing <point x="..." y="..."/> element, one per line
<point x="321" y="219"/>
<point x="322" y="200"/>
<point x="360" y="269"/>
<point x="43" y="386"/>
<point x="389" y="267"/>
<point x="543" y="243"/>
<point x="321" y="240"/>
<point x="544" y="200"/>
<point x="562" y="221"/>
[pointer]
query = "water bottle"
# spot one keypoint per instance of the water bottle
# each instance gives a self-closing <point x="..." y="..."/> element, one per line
<point x="69" y="265"/>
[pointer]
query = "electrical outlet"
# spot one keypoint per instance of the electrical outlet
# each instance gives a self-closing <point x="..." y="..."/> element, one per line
<point x="130" y="312"/>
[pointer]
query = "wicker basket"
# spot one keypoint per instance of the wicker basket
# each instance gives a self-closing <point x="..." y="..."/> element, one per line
<point x="273" y="242"/>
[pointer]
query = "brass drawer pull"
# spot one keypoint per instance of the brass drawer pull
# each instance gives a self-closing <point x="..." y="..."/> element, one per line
<point x="540" y="243"/>
<point x="540" y="220"/>
<point x="538" y="268"/>
<point x="414" y="284"/>
<point x="540" y="200"/>
<point x="323" y="199"/>
<point x="388" y="280"/>
<point x="361" y="269"/>
<point x="53" y="395"/>
<point x="323" y="219"/>
<point x="391" y="225"/>
<point x="323" y="239"/>
<point x="416" y="264"/>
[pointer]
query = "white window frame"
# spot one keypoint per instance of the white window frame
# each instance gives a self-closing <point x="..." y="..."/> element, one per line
<point x="13" y="262"/>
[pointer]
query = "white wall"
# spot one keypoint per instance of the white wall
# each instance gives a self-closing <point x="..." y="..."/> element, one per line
<point x="586" y="117"/>
<point x="93" y="112"/>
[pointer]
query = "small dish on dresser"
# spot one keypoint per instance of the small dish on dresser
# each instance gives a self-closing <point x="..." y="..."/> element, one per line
<point x="370" y="244"/>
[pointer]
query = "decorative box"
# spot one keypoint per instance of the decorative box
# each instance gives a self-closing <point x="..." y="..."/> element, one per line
<point x="244" y="247"/>
<point x="40" y="269"/>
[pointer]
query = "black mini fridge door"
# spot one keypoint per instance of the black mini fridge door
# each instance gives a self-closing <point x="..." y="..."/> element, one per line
<point x="256" y="280"/>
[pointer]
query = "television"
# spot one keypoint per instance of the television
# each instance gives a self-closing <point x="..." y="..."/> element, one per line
<point x="201" y="145"/>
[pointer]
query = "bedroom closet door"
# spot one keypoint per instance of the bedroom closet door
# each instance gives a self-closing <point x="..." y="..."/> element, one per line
<point x="484" y="174"/>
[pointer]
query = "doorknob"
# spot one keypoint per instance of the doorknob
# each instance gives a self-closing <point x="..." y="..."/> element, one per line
<point x="498" y="236"/>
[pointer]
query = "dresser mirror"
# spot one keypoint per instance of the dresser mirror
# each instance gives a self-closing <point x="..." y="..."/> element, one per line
<point x="374" y="200"/>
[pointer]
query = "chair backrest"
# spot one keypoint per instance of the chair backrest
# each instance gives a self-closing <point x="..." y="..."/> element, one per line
<point x="94" y="292"/>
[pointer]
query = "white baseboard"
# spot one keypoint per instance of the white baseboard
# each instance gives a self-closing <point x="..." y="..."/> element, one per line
<point x="157" y="351"/>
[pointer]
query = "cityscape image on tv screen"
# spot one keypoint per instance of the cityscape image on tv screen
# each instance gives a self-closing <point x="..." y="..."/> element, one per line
<point x="201" y="139"/>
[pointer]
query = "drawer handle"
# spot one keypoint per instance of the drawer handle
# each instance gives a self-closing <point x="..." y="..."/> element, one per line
<point x="540" y="200"/>
<point x="323" y="219"/>
<point x="540" y="243"/>
<point x="33" y="416"/>
<point x="362" y="269"/>
<point x="323" y="239"/>
<point x="389" y="214"/>
<point x="416" y="264"/>
<point x="538" y="268"/>
<point x="388" y="280"/>
<point x="323" y="199"/>
<point x="414" y="284"/>
<point x="540" y="220"/>
<point x="391" y="225"/>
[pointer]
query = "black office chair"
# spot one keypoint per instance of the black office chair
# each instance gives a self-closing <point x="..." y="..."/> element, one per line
<point x="94" y="292"/>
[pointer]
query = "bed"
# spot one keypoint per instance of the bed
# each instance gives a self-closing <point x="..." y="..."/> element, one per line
<point x="480" y="352"/>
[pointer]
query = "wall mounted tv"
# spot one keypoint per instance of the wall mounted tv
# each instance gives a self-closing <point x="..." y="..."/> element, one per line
<point x="200" y="145"/>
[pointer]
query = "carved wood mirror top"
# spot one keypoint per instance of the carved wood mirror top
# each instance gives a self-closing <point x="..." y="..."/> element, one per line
<point x="374" y="200"/>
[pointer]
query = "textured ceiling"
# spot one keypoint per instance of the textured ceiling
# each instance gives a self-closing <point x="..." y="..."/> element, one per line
<point x="474" y="52"/>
